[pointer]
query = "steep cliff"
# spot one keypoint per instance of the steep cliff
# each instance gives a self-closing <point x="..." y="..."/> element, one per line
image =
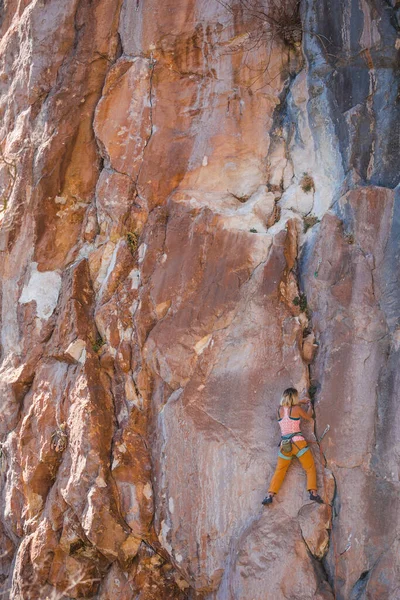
<point x="198" y="209"/>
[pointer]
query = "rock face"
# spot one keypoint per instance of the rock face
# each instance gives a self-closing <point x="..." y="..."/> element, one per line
<point x="198" y="209"/>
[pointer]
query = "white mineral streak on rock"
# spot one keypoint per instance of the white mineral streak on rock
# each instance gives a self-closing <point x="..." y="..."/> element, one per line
<point x="147" y="491"/>
<point x="130" y="392"/>
<point x="134" y="275"/>
<point x="370" y="36"/>
<point x="85" y="251"/>
<point x="142" y="252"/>
<point x="9" y="332"/>
<point x="107" y="264"/>
<point x="43" y="288"/>
<point x="202" y="344"/>
<point x="130" y="501"/>
<point x="323" y="163"/>
<point x="163" y="536"/>
<point x="100" y="482"/>
<point x="253" y="213"/>
<point x="77" y="351"/>
<point x="171" y="505"/>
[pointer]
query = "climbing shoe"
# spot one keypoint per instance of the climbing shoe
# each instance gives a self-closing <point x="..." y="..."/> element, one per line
<point x="316" y="498"/>
<point x="267" y="500"/>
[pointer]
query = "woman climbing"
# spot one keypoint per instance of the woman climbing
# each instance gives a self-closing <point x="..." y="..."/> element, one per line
<point x="293" y="444"/>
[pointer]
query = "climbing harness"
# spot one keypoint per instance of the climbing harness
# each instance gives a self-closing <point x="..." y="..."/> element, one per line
<point x="286" y="442"/>
<point x="286" y="445"/>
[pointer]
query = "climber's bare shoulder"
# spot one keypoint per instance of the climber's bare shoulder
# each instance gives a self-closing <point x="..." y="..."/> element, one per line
<point x="297" y="412"/>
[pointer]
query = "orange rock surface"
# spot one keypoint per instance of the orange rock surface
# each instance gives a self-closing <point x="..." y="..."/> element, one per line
<point x="198" y="209"/>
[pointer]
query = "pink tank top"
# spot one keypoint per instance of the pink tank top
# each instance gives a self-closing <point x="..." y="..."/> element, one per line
<point x="290" y="424"/>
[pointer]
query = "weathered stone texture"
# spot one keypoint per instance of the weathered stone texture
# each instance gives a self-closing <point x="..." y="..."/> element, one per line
<point x="196" y="213"/>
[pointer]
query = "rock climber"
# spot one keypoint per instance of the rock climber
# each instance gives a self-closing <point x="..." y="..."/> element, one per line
<point x="292" y="444"/>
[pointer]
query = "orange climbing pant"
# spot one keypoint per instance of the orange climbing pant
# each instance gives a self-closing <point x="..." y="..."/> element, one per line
<point x="284" y="459"/>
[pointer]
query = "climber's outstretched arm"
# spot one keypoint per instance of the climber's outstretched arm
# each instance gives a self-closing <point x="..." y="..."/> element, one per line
<point x="306" y="415"/>
<point x="304" y="400"/>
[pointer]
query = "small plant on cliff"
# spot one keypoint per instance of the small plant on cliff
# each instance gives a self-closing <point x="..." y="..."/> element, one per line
<point x="309" y="222"/>
<point x="98" y="344"/>
<point x="263" y="25"/>
<point x="276" y="20"/>
<point x="301" y="302"/>
<point x="132" y="240"/>
<point x="307" y="183"/>
<point x="252" y="230"/>
<point x="349" y="237"/>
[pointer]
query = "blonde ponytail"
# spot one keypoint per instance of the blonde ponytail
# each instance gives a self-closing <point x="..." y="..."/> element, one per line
<point x="290" y="397"/>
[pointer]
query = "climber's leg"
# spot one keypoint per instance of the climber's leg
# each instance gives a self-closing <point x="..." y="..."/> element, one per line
<point x="306" y="459"/>
<point x="280" y="472"/>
